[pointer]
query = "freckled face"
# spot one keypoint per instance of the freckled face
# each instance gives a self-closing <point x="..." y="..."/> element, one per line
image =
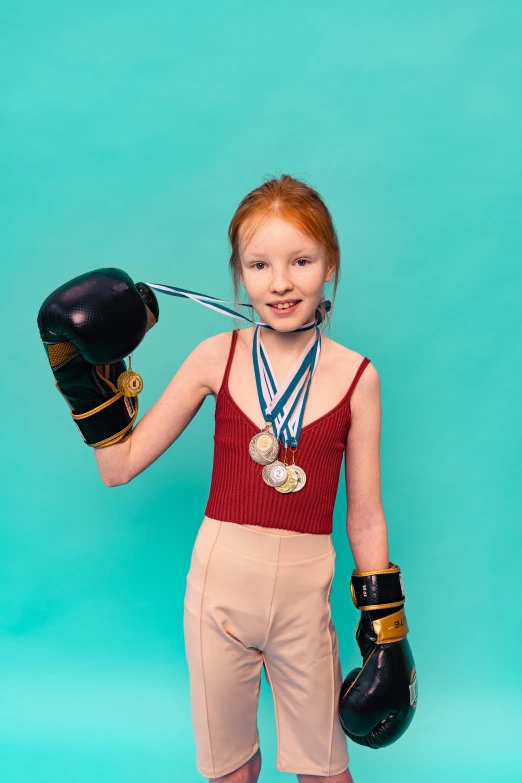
<point x="281" y="264"/>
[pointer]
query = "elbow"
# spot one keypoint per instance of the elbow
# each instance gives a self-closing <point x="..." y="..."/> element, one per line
<point x="110" y="481"/>
<point x="113" y="464"/>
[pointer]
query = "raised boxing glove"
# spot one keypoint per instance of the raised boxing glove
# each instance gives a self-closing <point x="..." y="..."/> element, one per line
<point x="377" y="702"/>
<point x="87" y="326"/>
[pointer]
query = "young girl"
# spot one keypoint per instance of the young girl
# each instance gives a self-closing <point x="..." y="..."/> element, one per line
<point x="258" y="587"/>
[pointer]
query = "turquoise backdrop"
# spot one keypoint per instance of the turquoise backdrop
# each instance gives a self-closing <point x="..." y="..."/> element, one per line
<point x="129" y="133"/>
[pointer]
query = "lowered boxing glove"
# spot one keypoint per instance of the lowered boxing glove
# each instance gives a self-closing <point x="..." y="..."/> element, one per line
<point x="377" y="702"/>
<point x="87" y="326"/>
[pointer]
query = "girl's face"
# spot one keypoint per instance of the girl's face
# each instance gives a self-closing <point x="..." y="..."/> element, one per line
<point x="281" y="265"/>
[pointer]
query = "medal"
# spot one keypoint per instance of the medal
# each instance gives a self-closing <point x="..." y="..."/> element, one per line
<point x="300" y="475"/>
<point x="129" y="382"/>
<point x="290" y="484"/>
<point x="283" y="406"/>
<point x="299" y="472"/>
<point x="294" y="474"/>
<point x="264" y="447"/>
<point x="275" y="474"/>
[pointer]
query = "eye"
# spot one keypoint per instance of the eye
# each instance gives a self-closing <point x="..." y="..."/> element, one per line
<point x="303" y="259"/>
<point x="256" y="264"/>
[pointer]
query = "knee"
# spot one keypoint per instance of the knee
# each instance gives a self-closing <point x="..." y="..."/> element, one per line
<point x="246" y="773"/>
<point x="255" y="766"/>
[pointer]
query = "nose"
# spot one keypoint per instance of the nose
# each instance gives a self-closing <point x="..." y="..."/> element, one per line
<point x="280" y="282"/>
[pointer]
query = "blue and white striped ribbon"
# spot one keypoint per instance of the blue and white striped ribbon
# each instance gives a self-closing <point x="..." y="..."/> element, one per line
<point x="284" y="405"/>
<point x="219" y="305"/>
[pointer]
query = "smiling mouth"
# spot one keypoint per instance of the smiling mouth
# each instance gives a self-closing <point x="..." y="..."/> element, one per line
<point x="285" y="306"/>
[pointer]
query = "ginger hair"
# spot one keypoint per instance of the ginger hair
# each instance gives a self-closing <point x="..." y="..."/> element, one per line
<point x="296" y="202"/>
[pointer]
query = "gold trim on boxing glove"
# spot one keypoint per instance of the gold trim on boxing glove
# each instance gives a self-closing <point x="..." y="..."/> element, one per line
<point x="116" y="438"/>
<point x="122" y="435"/>
<point x="104" y="374"/>
<point x="392" y="628"/>
<point x="380" y="606"/>
<point x="78" y="416"/>
<point x="352" y="591"/>
<point x="151" y="320"/>
<point x="393" y="569"/>
<point x="365" y="664"/>
<point x="59" y="352"/>
<point x="127" y="436"/>
<point x="113" y="439"/>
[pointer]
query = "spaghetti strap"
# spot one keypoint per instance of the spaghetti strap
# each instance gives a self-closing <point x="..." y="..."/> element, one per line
<point x="224" y="382"/>
<point x="365" y="362"/>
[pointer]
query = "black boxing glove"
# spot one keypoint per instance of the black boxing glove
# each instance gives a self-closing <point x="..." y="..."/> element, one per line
<point x="87" y="326"/>
<point x="377" y="702"/>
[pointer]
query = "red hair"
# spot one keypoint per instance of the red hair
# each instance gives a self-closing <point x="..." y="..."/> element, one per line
<point x="296" y="202"/>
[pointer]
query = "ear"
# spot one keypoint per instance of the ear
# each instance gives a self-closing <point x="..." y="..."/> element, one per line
<point x="329" y="273"/>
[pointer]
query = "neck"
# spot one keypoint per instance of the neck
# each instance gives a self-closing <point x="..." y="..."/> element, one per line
<point x="288" y="343"/>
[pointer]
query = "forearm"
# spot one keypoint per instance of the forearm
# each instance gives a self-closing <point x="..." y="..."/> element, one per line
<point x="368" y="537"/>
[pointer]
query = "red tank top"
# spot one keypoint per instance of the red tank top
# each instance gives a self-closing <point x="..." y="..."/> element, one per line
<point x="238" y="492"/>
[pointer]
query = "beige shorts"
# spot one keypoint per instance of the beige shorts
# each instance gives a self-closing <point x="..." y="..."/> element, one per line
<point x="258" y="599"/>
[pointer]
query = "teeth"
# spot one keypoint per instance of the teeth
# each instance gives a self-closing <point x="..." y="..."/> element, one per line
<point x="284" y="306"/>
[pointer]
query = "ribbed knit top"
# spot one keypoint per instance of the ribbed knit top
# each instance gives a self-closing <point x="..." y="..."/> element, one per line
<point x="238" y="492"/>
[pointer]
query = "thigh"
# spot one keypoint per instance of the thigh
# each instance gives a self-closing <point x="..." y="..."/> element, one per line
<point x="224" y="671"/>
<point x="303" y="669"/>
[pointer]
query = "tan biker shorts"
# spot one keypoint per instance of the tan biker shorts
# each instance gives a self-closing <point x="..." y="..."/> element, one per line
<point x="258" y="599"/>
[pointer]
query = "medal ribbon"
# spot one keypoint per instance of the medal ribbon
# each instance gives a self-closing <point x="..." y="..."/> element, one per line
<point x="284" y="406"/>
<point x="219" y="305"/>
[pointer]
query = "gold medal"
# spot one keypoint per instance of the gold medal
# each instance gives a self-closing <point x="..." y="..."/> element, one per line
<point x="298" y="472"/>
<point x="290" y="483"/>
<point x="300" y="475"/>
<point x="129" y="382"/>
<point x="263" y="443"/>
<point x="264" y="447"/>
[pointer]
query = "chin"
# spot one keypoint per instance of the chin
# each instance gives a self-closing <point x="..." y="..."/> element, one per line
<point x="288" y="323"/>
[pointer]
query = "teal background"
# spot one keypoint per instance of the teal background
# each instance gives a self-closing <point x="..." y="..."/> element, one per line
<point x="129" y="133"/>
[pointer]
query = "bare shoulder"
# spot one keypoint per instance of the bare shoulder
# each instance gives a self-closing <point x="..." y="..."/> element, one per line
<point x="345" y="362"/>
<point x="211" y="356"/>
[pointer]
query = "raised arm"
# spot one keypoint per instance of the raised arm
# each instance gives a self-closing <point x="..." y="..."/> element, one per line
<point x="165" y="421"/>
<point x="86" y="325"/>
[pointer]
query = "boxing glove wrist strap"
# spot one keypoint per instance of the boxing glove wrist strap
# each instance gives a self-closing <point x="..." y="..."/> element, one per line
<point x="93" y="411"/>
<point x="117" y="413"/>
<point x="118" y="437"/>
<point x="379" y="589"/>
